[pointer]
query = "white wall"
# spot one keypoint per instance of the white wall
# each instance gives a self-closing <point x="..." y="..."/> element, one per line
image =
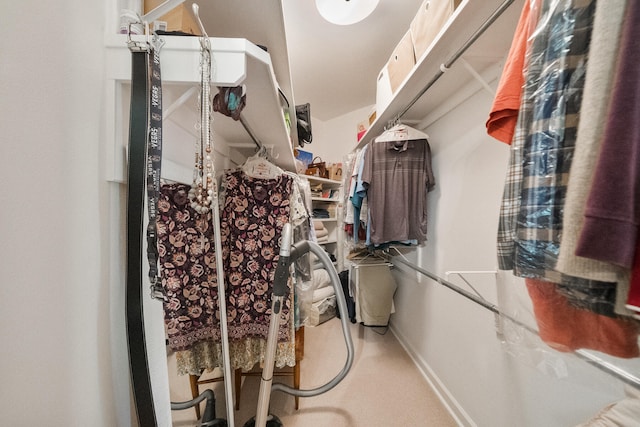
<point x="487" y="382"/>
<point x="487" y="379"/>
<point x="63" y="358"/>
<point x="334" y="138"/>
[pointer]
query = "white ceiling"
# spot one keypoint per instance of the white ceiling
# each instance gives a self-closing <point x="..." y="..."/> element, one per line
<point x="334" y="67"/>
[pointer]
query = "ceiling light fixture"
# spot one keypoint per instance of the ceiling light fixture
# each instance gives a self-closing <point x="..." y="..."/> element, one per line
<point x="345" y="12"/>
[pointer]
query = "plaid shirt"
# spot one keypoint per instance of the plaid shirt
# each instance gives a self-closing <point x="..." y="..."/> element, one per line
<point x="535" y="189"/>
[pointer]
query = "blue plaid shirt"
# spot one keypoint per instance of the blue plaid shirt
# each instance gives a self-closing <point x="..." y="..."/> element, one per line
<point x="541" y="154"/>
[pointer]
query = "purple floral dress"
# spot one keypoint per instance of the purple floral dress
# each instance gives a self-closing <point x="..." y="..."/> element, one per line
<point x="254" y="213"/>
<point x="188" y="270"/>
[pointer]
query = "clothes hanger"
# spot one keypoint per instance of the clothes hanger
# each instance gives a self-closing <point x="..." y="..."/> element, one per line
<point x="401" y="132"/>
<point x="258" y="166"/>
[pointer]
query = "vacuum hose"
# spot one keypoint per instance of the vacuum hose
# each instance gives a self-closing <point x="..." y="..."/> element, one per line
<point x="297" y="250"/>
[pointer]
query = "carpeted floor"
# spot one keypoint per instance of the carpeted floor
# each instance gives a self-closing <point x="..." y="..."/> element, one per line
<point x="383" y="388"/>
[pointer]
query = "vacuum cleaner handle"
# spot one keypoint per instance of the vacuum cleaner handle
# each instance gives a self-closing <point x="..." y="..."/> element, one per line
<point x="282" y="269"/>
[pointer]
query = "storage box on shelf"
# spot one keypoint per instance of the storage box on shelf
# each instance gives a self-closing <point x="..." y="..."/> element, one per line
<point x="398" y="66"/>
<point x="431" y="17"/>
<point x="457" y="56"/>
<point x="178" y="19"/>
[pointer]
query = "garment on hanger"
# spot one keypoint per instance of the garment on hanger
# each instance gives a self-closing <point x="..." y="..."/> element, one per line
<point x="355" y="213"/>
<point x="188" y="271"/>
<point x="254" y="213"/>
<point x="610" y="232"/>
<point x="531" y="220"/>
<point x="633" y="296"/>
<point x="397" y="176"/>
<point x="401" y="132"/>
<point x="598" y="85"/>
<point x="548" y="148"/>
<point x="187" y="257"/>
<point x="302" y="228"/>
<point x="612" y="213"/>
<point x="551" y="142"/>
<point x="258" y="166"/>
<point x="567" y="328"/>
<point x="506" y="104"/>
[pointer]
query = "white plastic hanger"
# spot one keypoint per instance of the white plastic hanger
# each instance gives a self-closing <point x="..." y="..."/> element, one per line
<point x="401" y="132"/>
<point x="257" y="166"/>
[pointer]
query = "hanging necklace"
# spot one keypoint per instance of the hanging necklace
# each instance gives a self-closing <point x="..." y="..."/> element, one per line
<point x="201" y="193"/>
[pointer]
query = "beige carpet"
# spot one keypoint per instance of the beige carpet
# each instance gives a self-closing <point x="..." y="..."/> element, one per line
<point x="383" y="388"/>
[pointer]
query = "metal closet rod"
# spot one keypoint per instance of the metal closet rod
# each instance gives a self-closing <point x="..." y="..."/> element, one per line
<point x="447" y="64"/>
<point x="251" y="133"/>
<point x="587" y="356"/>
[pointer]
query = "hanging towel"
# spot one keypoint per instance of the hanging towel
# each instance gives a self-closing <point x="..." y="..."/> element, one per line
<point x="375" y="289"/>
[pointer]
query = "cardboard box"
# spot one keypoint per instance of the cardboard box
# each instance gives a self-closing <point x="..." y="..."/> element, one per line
<point x="394" y="72"/>
<point x="178" y="19"/>
<point x="429" y="20"/>
<point x="401" y="62"/>
<point x="372" y="116"/>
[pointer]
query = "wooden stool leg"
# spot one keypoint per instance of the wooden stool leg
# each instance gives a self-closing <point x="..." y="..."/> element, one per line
<point x="296" y="382"/>
<point x="299" y="357"/>
<point x="195" y="392"/>
<point x="238" y="381"/>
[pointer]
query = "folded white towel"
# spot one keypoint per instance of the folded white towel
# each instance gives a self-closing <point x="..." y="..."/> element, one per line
<point x="322" y="233"/>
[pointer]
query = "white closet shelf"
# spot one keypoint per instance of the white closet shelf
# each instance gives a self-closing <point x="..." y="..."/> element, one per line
<point x="236" y="61"/>
<point x="325" y="199"/>
<point x="317" y="179"/>
<point x="484" y="58"/>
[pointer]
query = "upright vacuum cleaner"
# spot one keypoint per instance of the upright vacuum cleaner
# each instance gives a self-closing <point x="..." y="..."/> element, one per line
<point x="289" y="254"/>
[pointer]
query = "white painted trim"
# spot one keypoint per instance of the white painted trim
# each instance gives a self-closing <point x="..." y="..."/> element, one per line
<point x="453" y="406"/>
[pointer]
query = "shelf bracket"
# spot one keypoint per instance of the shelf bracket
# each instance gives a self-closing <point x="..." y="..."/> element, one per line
<point x="179" y="102"/>
<point x="477" y="76"/>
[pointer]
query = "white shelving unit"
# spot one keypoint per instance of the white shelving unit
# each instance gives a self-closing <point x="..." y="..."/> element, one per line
<point x="235" y="62"/>
<point x="333" y="224"/>
<point x="447" y="76"/>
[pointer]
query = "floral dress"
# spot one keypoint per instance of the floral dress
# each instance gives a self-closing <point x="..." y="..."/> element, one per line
<point x="255" y="211"/>
<point x="188" y="270"/>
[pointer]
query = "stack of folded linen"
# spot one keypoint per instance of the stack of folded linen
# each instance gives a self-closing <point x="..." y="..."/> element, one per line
<point x="323" y="306"/>
<point x="322" y="234"/>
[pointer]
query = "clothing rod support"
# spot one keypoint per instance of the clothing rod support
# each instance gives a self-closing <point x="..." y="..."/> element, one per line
<point x="250" y="132"/>
<point x="477" y="76"/>
<point x="179" y="102"/>
<point x="587" y="356"/>
<point x="503" y="7"/>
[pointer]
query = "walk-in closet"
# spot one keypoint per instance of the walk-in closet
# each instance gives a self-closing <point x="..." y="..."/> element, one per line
<point x="318" y="213"/>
